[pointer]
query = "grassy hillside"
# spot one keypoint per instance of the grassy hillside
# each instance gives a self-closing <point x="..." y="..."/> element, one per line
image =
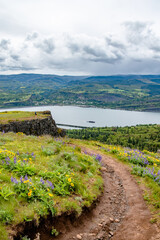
<point x="130" y="92"/>
<point x="41" y="176"/>
<point x="10" y="116"/>
<point x="144" y="165"/>
<point x="140" y="136"/>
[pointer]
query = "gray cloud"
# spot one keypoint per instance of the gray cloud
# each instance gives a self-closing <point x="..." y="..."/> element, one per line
<point x="97" y="55"/>
<point x="2" y="59"/>
<point x="31" y="37"/>
<point x="83" y="53"/>
<point x="137" y="32"/>
<point x="74" y="47"/>
<point x="46" y="45"/>
<point x="95" y="50"/>
<point x="156" y="48"/>
<point x="15" y="57"/>
<point x="4" y="44"/>
<point x="114" y="43"/>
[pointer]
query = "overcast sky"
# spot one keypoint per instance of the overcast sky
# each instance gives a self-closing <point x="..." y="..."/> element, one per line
<point x="94" y="37"/>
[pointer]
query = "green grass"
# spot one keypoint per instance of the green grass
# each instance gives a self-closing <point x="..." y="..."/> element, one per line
<point x="10" y="116"/>
<point x="135" y="159"/>
<point x="42" y="175"/>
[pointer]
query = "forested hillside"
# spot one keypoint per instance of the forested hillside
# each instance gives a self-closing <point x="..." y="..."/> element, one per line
<point x="141" y="136"/>
<point x="130" y="92"/>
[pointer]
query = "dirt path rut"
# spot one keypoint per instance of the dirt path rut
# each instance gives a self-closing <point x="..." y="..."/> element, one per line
<point x="121" y="213"/>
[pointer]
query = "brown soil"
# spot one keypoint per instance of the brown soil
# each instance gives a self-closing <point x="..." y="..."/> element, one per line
<point x="121" y="213"/>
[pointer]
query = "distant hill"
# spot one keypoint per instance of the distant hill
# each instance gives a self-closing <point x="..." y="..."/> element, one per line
<point x="130" y="92"/>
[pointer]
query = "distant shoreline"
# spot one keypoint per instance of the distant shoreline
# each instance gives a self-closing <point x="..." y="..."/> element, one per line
<point x="81" y="106"/>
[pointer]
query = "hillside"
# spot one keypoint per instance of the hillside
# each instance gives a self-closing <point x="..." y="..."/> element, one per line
<point x="40" y="177"/>
<point x="141" y="136"/>
<point x="73" y="189"/>
<point x="130" y="92"/>
<point x="46" y="184"/>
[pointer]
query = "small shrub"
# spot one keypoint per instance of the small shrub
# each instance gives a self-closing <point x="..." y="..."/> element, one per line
<point x="6" y="217"/>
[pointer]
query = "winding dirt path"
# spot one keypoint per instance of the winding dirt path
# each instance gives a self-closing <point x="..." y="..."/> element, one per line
<point x="121" y="213"/>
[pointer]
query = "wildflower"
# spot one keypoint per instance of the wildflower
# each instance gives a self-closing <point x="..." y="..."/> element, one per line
<point x="72" y="184"/>
<point x="98" y="157"/>
<point x="21" y="179"/>
<point x="26" y="178"/>
<point x="50" y="194"/>
<point x="42" y="181"/>
<point x="50" y="184"/>
<point x="69" y="179"/>
<point x="14" y="180"/>
<point x="15" y="160"/>
<point x="30" y="193"/>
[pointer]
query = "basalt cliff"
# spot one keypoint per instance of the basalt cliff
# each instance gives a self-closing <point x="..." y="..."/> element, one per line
<point x="35" y="127"/>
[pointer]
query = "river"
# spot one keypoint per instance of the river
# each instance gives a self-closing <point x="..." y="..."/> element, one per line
<point x="80" y="116"/>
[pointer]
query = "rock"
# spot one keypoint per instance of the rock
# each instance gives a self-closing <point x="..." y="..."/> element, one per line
<point x="117" y="220"/>
<point x="91" y="234"/>
<point x="103" y="169"/>
<point x="100" y="224"/>
<point x="79" y="236"/>
<point x="36" y="127"/>
<point x="111" y="219"/>
<point x="111" y="233"/>
<point x="37" y="236"/>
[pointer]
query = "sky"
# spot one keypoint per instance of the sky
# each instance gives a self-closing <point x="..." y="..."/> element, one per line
<point x="80" y="37"/>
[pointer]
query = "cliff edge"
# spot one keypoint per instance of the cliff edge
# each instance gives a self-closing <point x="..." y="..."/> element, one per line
<point x="39" y="123"/>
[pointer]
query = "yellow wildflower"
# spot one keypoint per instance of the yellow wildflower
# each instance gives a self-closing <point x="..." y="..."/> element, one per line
<point x="72" y="184"/>
<point x="30" y="193"/>
<point x="50" y="194"/>
<point x="69" y="179"/>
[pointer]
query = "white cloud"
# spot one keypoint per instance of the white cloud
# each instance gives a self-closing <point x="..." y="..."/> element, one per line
<point x="86" y="37"/>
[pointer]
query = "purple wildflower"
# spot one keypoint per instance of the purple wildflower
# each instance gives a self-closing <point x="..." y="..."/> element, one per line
<point x="50" y="184"/>
<point x="15" y="160"/>
<point x="21" y="179"/>
<point x="98" y="157"/>
<point x="42" y="181"/>
<point x="26" y="178"/>
<point x="14" y="180"/>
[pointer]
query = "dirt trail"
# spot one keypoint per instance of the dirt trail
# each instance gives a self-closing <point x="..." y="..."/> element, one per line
<point x="121" y="213"/>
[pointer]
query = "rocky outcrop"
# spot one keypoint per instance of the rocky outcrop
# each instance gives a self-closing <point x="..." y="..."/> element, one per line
<point x="34" y="127"/>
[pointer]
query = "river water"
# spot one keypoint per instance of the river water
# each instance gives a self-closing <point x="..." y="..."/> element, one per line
<point x="80" y="116"/>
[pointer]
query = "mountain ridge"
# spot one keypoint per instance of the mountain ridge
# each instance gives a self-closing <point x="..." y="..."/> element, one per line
<point x="129" y="92"/>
